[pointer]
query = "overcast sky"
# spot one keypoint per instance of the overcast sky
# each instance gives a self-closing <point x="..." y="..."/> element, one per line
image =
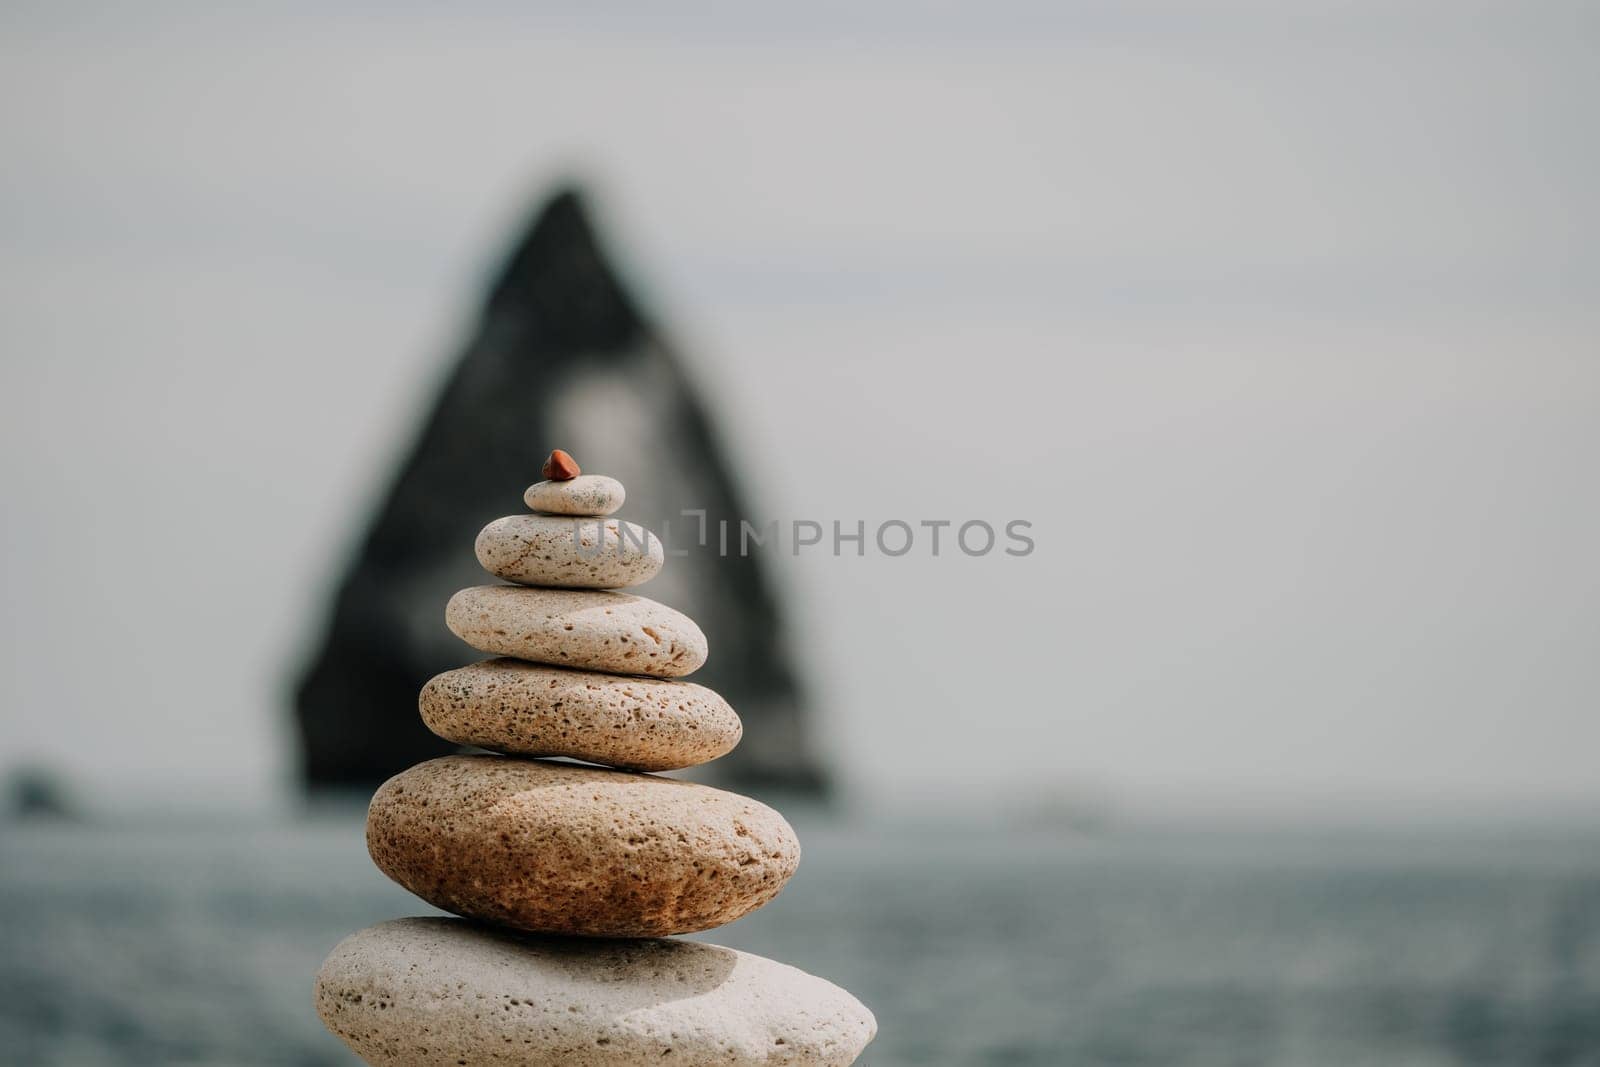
<point x="1279" y="325"/>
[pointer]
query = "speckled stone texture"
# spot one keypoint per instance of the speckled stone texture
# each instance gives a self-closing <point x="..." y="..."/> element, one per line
<point x="587" y="629"/>
<point x="641" y="724"/>
<point x="569" y="552"/>
<point x="587" y="494"/>
<point x="557" y="848"/>
<point x="431" y="991"/>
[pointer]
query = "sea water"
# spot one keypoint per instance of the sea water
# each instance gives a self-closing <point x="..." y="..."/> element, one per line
<point x="197" y="944"/>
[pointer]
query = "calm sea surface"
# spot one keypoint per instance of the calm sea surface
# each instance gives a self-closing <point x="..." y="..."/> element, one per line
<point x="197" y="946"/>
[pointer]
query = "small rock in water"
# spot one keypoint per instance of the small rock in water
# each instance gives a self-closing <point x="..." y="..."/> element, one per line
<point x="557" y="848"/>
<point x="445" y="991"/>
<point x="589" y="629"/>
<point x="642" y="724"/>
<point x="588" y="494"/>
<point x="569" y="552"/>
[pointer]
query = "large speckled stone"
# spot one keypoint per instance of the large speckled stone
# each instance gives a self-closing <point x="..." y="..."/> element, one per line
<point x="587" y="494"/>
<point x="422" y="992"/>
<point x="588" y="629"/>
<point x="557" y="848"/>
<point x="568" y="552"/>
<point x="644" y="724"/>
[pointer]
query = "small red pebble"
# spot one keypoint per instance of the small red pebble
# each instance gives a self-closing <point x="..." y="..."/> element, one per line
<point x="560" y="467"/>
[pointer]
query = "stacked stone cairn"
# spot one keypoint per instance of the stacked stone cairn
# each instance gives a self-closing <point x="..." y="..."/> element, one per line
<point x="570" y="879"/>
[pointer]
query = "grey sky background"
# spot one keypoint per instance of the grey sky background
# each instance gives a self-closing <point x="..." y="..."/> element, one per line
<point x="1277" y="321"/>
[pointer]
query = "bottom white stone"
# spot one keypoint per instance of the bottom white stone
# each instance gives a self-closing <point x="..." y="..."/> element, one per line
<point x="451" y="992"/>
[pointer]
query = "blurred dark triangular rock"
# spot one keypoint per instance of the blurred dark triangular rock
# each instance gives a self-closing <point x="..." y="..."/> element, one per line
<point x="561" y="357"/>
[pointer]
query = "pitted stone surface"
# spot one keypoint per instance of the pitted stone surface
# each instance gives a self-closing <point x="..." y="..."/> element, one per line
<point x="523" y="709"/>
<point x="445" y="991"/>
<point x="587" y="494"/>
<point x="573" y="553"/>
<point x="587" y="629"/>
<point x="557" y="848"/>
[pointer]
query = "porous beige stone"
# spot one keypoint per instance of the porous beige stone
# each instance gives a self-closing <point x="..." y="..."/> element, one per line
<point x="645" y="724"/>
<point x="558" y="848"/>
<point x="588" y="629"/>
<point x="569" y="552"/>
<point x="587" y="494"/>
<point x="440" y="991"/>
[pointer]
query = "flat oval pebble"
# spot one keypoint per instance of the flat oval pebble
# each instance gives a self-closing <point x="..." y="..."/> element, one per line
<point x="644" y="724"/>
<point x="587" y="629"/>
<point x="445" y="991"/>
<point x="587" y="494"/>
<point x="558" y="848"/>
<point x="569" y="552"/>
